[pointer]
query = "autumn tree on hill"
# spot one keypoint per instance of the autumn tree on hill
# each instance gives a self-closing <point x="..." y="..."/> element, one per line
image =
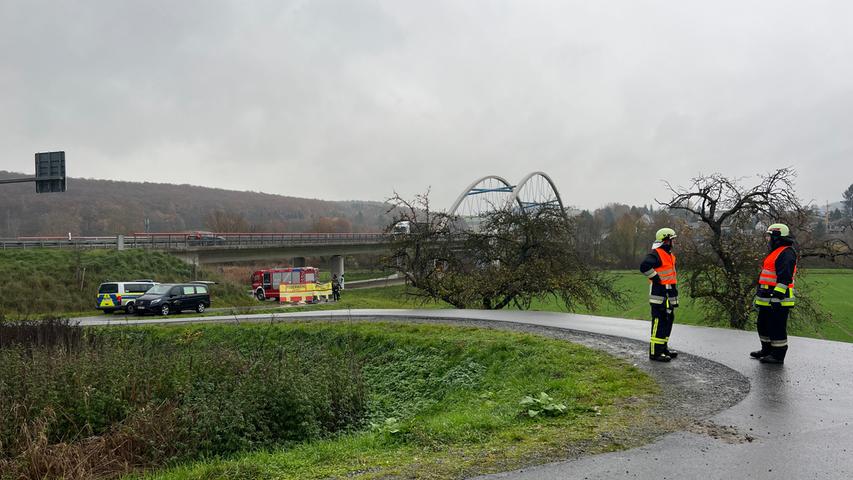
<point x="332" y="225"/>
<point x="226" y="221"/>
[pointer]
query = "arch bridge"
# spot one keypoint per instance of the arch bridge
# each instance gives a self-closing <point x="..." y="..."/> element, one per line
<point x="493" y="192"/>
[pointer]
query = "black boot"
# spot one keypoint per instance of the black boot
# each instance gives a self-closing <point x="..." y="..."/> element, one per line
<point x="660" y="357"/>
<point x="672" y="353"/>
<point x="777" y="355"/>
<point x="766" y="349"/>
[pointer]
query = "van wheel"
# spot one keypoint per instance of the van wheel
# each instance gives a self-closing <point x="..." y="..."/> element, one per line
<point x="260" y="295"/>
<point x="164" y="310"/>
<point x="130" y="309"/>
<point x="200" y="308"/>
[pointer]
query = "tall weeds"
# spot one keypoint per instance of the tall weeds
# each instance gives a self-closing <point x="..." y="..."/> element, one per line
<point x="50" y="332"/>
<point x="84" y="403"/>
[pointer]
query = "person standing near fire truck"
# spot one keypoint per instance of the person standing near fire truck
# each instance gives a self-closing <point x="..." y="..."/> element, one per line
<point x="336" y="288"/>
<point x="659" y="268"/>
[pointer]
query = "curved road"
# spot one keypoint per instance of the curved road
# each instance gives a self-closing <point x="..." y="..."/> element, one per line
<point x="800" y="415"/>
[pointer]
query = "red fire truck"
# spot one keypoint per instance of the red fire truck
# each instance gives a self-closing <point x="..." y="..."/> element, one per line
<point x="265" y="283"/>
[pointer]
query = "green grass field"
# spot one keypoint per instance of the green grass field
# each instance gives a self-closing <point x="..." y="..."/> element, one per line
<point x="444" y="402"/>
<point x="833" y="290"/>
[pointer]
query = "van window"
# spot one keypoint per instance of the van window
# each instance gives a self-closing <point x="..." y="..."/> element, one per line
<point x="276" y="279"/>
<point x="309" y="277"/>
<point x="201" y="289"/>
<point x="159" y="289"/>
<point x="108" y="288"/>
<point x="175" y="291"/>
<point x="137" y="287"/>
<point x="189" y="290"/>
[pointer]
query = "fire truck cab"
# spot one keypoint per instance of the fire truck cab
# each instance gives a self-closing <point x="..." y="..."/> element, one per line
<point x="266" y="283"/>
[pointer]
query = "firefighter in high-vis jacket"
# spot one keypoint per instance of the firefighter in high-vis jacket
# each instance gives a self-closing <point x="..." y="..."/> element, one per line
<point x="774" y="297"/>
<point x="659" y="267"/>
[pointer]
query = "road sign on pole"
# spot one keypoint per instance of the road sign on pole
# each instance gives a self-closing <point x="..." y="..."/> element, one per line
<point x="50" y="172"/>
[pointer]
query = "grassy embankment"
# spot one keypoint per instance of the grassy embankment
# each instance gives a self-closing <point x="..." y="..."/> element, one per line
<point x="54" y="282"/>
<point x="65" y="282"/>
<point x="309" y="400"/>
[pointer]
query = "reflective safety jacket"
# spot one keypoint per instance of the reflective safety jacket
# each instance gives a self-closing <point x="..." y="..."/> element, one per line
<point x="660" y="263"/>
<point x="776" y="281"/>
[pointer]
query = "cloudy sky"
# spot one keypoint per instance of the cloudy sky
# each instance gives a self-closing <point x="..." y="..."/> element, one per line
<point x="355" y="99"/>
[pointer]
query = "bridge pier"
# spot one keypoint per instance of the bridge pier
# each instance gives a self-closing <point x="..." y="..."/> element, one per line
<point x="336" y="265"/>
<point x="188" y="257"/>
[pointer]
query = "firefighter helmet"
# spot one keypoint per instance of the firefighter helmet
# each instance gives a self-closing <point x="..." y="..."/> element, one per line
<point x="778" y="229"/>
<point x="665" y="233"/>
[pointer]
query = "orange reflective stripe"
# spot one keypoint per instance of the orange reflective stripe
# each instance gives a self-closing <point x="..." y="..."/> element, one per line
<point x="768" y="276"/>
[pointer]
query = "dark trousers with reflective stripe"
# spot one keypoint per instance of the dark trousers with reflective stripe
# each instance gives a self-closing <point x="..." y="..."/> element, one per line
<point x="773" y="330"/>
<point x="662" y="320"/>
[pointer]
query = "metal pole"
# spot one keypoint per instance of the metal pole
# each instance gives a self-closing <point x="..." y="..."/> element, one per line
<point x="19" y="180"/>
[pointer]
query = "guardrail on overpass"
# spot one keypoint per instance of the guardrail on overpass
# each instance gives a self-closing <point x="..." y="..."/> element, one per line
<point x="189" y="241"/>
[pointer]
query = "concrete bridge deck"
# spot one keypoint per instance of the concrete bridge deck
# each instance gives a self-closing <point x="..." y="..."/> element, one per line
<point x="219" y="247"/>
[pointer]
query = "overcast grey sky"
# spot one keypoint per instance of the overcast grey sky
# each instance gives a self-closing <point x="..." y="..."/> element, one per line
<point x="355" y="99"/>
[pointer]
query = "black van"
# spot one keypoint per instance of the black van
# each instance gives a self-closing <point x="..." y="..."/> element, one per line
<point x="169" y="298"/>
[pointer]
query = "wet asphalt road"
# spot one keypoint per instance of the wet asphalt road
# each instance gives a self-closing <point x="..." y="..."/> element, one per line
<point x="798" y="415"/>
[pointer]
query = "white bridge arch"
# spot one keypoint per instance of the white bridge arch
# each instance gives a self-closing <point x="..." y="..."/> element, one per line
<point x="536" y="189"/>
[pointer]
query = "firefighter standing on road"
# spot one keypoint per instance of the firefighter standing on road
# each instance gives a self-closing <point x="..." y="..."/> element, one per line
<point x="775" y="295"/>
<point x="659" y="267"/>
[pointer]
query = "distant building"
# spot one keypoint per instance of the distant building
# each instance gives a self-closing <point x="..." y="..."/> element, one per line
<point x="838" y="227"/>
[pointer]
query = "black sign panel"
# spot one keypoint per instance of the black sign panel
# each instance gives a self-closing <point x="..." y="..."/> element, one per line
<point x="50" y="172"/>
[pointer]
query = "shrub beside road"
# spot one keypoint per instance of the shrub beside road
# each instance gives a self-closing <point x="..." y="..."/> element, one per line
<point x="320" y="399"/>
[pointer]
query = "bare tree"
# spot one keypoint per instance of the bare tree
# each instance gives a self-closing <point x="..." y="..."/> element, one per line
<point x="514" y="258"/>
<point x="722" y="248"/>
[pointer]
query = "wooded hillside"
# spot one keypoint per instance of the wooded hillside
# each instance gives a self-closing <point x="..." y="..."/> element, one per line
<point x="105" y="207"/>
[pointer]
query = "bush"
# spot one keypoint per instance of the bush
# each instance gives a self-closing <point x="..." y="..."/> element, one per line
<point x="125" y="398"/>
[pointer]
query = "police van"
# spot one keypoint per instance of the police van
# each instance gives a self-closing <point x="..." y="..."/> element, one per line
<point x="114" y="296"/>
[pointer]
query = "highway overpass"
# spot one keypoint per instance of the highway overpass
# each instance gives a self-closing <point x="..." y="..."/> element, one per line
<point x="220" y="247"/>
